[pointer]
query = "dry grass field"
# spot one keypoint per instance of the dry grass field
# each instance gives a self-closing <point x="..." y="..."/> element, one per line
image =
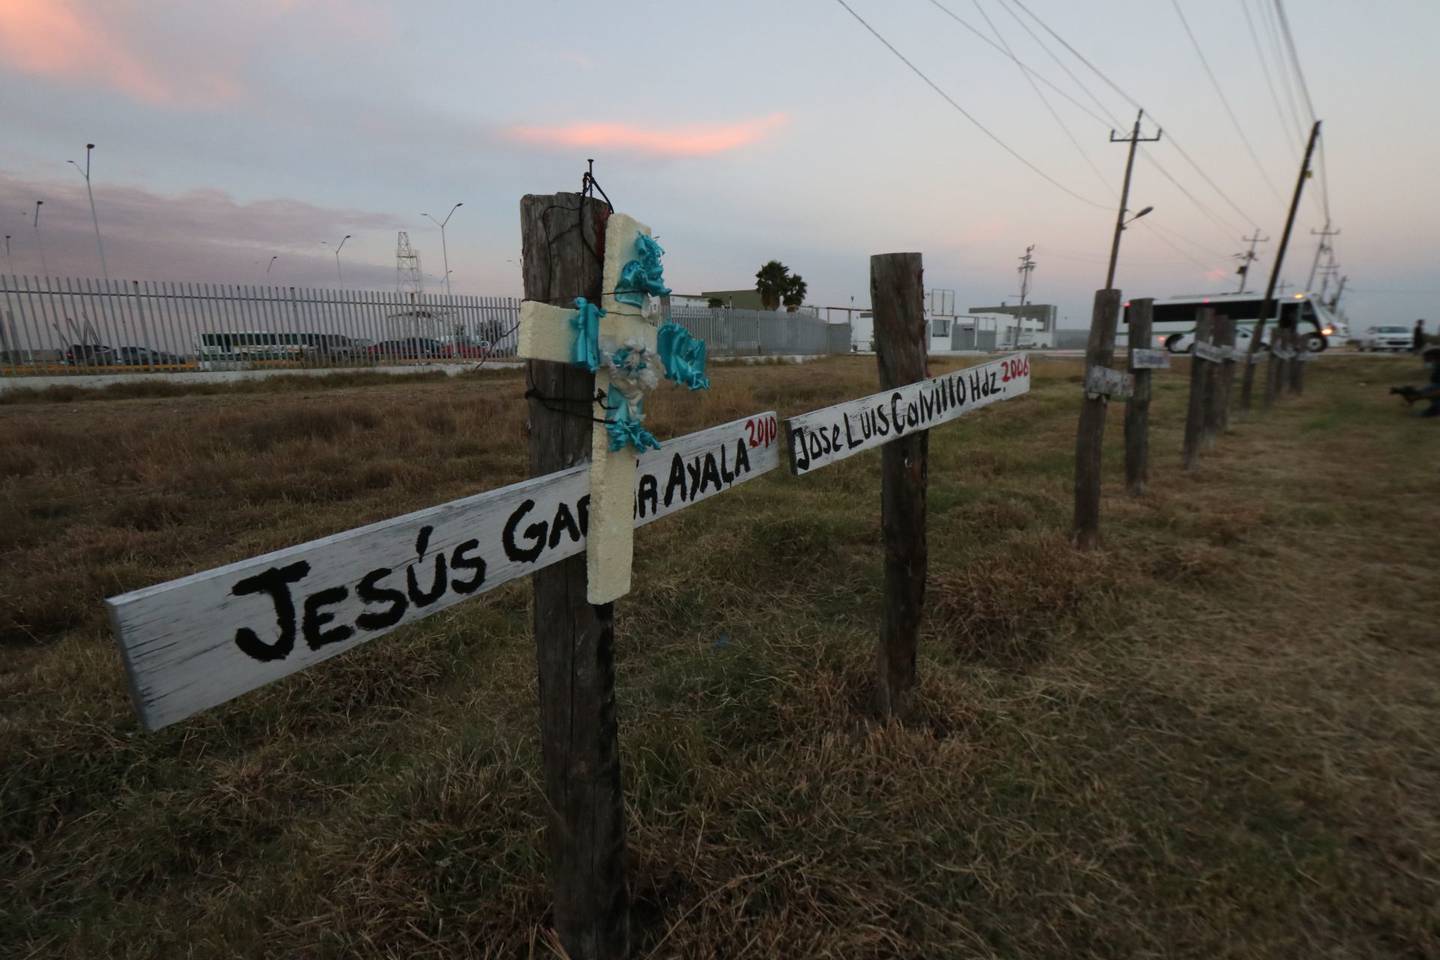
<point x="1216" y="738"/>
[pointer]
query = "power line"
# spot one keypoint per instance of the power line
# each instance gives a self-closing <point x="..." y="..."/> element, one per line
<point x="1131" y="100"/>
<point x="1272" y="32"/>
<point x="962" y="111"/>
<point x="1223" y="226"/>
<point x="1114" y="122"/>
<point x="1224" y="101"/>
<point x="1029" y="72"/>
<point x="1036" y="87"/>
<point x="1294" y="57"/>
<point x="1270" y="84"/>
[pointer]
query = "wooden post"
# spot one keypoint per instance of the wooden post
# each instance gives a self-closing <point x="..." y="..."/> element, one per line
<point x="1221" y="327"/>
<point x="1297" y="364"/>
<point x="1275" y="363"/>
<point x="1137" y="410"/>
<point x="1225" y="377"/>
<point x="1099" y="352"/>
<point x="897" y="294"/>
<point x="1199" y="374"/>
<point x="560" y="237"/>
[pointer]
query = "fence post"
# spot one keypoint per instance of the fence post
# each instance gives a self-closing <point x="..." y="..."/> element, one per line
<point x="1137" y="410"/>
<point x="574" y="641"/>
<point x="1275" y="363"/>
<point x="1199" y="377"/>
<point x="1225" y="378"/>
<point x="897" y="293"/>
<point x="1297" y="363"/>
<point x="1210" y="426"/>
<point x="1099" y="352"/>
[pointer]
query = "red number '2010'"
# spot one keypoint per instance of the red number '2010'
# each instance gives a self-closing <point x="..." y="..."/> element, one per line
<point x="762" y="432"/>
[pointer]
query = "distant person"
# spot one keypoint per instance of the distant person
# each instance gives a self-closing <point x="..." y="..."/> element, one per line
<point x="1431" y="391"/>
<point x="1417" y="343"/>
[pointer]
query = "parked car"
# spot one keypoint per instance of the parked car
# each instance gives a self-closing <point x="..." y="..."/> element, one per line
<point x="408" y="348"/>
<point x="145" y="357"/>
<point x="467" y="351"/>
<point x="91" y="355"/>
<point x="1387" y="338"/>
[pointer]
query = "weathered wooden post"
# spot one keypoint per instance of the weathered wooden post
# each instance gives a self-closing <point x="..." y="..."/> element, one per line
<point x="1221" y="327"/>
<point x="1137" y="410"/>
<point x="1297" y="364"/>
<point x="1090" y="434"/>
<point x="1199" y="375"/>
<point x="1275" y="364"/>
<point x="897" y="294"/>
<point x="1225" y="377"/>
<point x="574" y="640"/>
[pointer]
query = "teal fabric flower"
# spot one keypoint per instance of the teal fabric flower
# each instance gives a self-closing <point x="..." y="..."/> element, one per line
<point x="585" y="350"/>
<point x="682" y="355"/>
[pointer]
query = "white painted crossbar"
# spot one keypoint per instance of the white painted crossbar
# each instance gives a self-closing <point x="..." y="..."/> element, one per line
<point x="199" y="641"/>
<point x="822" y="437"/>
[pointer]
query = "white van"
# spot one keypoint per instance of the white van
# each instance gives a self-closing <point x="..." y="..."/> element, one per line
<point x="1387" y="338"/>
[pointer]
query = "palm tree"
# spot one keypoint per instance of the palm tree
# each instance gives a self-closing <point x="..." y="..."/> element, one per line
<point x="772" y="282"/>
<point x="795" y="293"/>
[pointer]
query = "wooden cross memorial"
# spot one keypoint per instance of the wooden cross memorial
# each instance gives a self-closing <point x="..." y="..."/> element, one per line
<point x="618" y="342"/>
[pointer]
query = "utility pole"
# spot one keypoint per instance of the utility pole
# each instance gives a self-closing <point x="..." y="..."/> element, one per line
<point x="1268" y="304"/>
<point x="1320" y="249"/>
<point x="1248" y="257"/>
<point x="1120" y="221"/>
<point x="1335" y="300"/>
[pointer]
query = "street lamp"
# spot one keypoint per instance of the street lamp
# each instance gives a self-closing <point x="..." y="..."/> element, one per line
<point x="1121" y="224"/>
<point x="444" y="250"/>
<point x="93" y="219"/>
<point x="271" y="264"/>
<point x="338" y="248"/>
<point x="8" y="261"/>
<point x="38" y="243"/>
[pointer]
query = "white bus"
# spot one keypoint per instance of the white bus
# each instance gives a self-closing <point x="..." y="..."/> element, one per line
<point x="1174" y="319"/>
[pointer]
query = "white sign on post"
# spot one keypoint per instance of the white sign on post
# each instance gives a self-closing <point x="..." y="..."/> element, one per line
<point x="823" y="437"/>
<point x="1143" y="359"/>
<point x="1209" y="352"/>
<point x="199" y="641"/>
<point x="1105" y="382"/>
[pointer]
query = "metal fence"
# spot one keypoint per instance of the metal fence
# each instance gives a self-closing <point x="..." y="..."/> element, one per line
<point x="760" y="333"/>
<point x="53" y="325"/>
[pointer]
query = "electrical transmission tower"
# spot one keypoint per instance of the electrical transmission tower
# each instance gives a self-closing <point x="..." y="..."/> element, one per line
<point x="409" y="281"/>
<point x="1247" y="258"/>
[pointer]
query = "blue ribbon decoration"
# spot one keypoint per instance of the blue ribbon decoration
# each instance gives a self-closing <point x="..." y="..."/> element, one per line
<point x="642" y="275"/>
<point x="623" y="424"/>
<point x="682" y="355"/>
<point x="585" y="351"/>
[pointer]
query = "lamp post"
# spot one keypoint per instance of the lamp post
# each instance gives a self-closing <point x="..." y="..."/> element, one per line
<point x="100" y="247"/>
<point x="8" y="261"/>
<point x="338" y="248"/>
<point x="271" y="264"/>
<point x="444" y="250"/>
<point x="39" y="245"/>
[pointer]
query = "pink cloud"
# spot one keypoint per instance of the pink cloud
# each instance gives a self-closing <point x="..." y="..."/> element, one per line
<point x="689" y="140"/>
<point x="62" y="40"/>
